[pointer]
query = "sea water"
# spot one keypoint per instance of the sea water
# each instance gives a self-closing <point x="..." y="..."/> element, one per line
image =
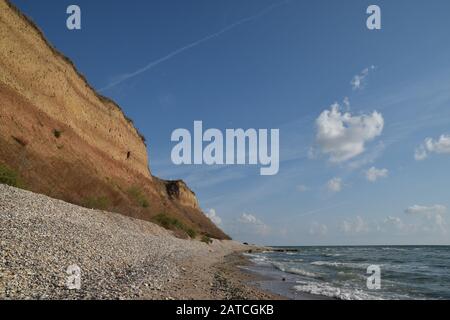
<point x="407" y="272"/>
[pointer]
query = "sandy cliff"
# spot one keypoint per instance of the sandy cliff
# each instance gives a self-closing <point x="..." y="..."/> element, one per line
<point x="68" y="142"/>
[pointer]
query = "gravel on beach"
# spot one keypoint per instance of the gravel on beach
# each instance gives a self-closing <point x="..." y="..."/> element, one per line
<point x="119" y="257"/>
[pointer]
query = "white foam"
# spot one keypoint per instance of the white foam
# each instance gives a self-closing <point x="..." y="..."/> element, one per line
<point x="340" y="264"/>
<point x="326" y="290"/>
<point x="302" y="272"/>
<point x="292" y="270"/>
<point x="257" y="258"/>
<point x="333" y="254"/>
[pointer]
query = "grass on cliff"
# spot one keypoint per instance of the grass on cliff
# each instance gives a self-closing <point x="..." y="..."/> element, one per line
<point x="174" y="224"/>
<point x="137" y="194"/>
<point x="10" y="177"/>
<point x="99" y="203"/>
<point x="206" y="239"/>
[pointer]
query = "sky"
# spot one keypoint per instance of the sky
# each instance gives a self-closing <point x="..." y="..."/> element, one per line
<point x="363" y="114"/>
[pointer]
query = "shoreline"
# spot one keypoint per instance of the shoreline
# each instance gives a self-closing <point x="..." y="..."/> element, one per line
<point x="231" y="277"/>
<point x="277" y="285"/>
<point x="120" y="258"/>
<point x="216" y="277"/>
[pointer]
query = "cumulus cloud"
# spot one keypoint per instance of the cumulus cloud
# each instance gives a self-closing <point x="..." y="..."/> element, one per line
<point x="318" y="229"/>
<point x="335" y="185"/>
<point x="248" y="218"/>
<point x="396" y="226"/>
<point x="426" y="210"/>
<point x="420" y="153"/>
<point x="346" y="103"/>
<point x="254" y="223"/>
<point x="434" y="214"/>
<point x="395" y="222"/>
<point x="439" y="146"/>
<point x="368" y="157"/>
<point x="355" y="226"/>
<point x="212" y="215"/>
<point x="419" y="221"/>
<point x="358" y="81"/>
<point x="392" y="220"/>
<point x="342" y="136"/>
<point x="373" y="174"/>
<point x="442" y="145"/>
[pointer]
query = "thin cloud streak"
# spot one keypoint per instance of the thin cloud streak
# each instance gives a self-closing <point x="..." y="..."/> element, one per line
<point x="155" y="63"/>
<point x="322" y="209"/>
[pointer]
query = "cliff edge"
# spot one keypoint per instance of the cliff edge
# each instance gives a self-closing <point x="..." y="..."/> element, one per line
<point x="64" y="140"/>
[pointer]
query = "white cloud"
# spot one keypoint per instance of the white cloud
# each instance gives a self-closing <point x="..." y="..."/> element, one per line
<point x="434" y="214"/>
<point x="373" y="174"/>
<point x="368" y="157"/>
<point x="355" y="226"/>
<point x="420" y="153"/>
<point x="395" y="225"/>
<point x="346" y="103"/>
<point x="395" y="222"/>
<point x="440" y="221"/>
<point x="335" y="185"/>
<point x="440" y="146"/>
<point x="343" y="136"/>
<point x="358" y="81"/>
<point x="318" y="229"/>
<point x="248" y="218"/>
<point x="392" y="220"/>
<point x="256" y="224"/>
<point x="419" y="221"/>
<point x="427" y="210"/>
<point x="212" y="215"/>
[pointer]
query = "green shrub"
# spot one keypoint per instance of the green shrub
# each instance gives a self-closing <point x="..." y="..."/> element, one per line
<point x="164" y="221"/>
<point x="206" y="239"/>
<point x="174" y="224"/>
<point x="138" y="196"/>
<point x="100" y="203"/>
<point x="191" y="233"/>
<point x="9" y="177"/>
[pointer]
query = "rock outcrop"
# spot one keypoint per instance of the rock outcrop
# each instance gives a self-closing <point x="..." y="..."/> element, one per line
<point x="68" y="142"/>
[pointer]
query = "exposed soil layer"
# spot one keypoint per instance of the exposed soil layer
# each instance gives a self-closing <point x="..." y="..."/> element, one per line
<point x="66" y="141"/>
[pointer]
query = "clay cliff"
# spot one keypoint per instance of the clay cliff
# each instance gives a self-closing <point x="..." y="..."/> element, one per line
<point x="64" y="140"/>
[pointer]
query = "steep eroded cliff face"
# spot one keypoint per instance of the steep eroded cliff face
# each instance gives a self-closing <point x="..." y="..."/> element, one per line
<point x="68" y="142"/>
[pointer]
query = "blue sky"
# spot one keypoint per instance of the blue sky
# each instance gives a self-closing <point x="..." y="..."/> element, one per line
<point x="274" y="64"/>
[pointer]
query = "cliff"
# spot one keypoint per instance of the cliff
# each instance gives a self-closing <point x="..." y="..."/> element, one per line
<point x="66" y="141"/>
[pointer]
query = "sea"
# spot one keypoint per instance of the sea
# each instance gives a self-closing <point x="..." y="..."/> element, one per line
<point x="356" y="273"/>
